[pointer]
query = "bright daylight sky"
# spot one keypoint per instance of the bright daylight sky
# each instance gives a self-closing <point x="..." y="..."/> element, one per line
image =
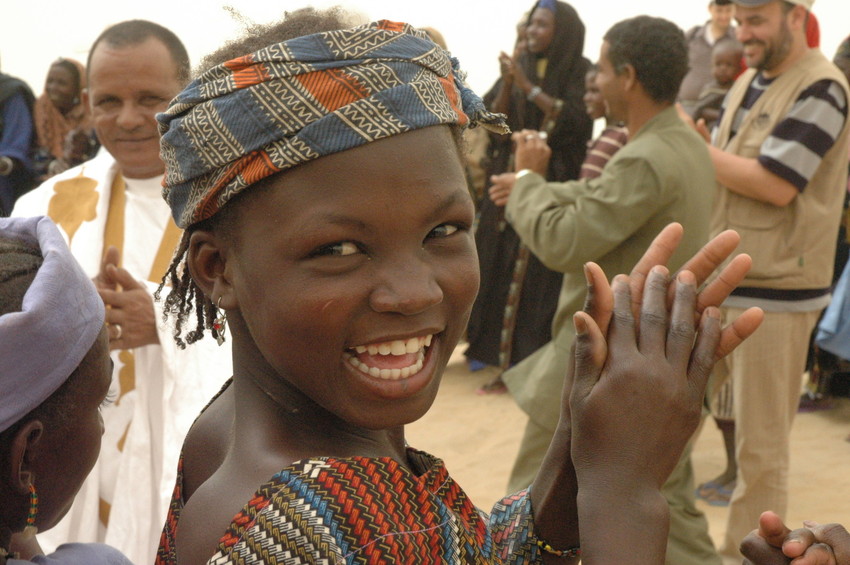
<point x="35" y="32"/>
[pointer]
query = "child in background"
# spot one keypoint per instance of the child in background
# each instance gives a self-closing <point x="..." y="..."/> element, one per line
<point x="80" y="146"/>
<point x="727" y="64"/>
<point x="612" y="138"/>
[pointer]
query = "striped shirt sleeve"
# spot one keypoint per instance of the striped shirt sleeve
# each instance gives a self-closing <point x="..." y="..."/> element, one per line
<point x="797" y="145"/>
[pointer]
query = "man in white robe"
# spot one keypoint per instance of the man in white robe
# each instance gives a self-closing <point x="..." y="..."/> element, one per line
<point x="119" y="228"/>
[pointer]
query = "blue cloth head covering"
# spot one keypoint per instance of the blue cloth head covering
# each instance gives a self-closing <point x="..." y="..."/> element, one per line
<point x="301" y="99"/>
<point x="61" y="317"/>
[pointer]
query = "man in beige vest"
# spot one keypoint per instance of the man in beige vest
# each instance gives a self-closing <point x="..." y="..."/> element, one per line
<point x="111" y="212"/>
<point x="780" y="153"/>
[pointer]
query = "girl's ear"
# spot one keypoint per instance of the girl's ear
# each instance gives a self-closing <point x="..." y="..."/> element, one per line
<point x="23" y="450"/>
<point x="207" y="262"/>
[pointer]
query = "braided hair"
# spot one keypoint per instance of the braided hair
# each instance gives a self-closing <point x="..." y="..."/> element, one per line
<point x="184" y="296"/>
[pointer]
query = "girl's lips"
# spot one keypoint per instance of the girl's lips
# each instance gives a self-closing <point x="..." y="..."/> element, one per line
<point x="391" y="360"/>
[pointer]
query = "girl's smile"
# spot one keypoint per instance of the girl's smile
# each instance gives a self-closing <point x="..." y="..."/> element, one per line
<point x="350" y="278"/>
<point x="397" y="359"/>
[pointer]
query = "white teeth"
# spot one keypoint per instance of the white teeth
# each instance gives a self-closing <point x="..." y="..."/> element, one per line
<point x="397" y="347"/>
<point x="387" y="374"/>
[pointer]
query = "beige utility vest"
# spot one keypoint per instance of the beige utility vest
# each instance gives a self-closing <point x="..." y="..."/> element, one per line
<point x="793" y="246"/>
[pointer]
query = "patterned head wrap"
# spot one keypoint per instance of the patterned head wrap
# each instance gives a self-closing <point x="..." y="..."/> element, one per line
<point x="61" y="317"/>
<point x="301" y="99"/>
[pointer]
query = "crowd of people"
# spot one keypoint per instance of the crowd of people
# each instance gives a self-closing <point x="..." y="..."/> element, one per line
<point x="213" y="333"/>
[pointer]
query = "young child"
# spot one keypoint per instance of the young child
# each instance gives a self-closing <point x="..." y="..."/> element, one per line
<point x="328" y="227"/>
<point x="55" y="376"/>
<point x="612" y="138"/>
<point x="726" y="64"/>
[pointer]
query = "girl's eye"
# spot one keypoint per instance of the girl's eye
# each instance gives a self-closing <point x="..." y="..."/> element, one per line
<point x="340" y="248"/>
<point x="443" y="230"/>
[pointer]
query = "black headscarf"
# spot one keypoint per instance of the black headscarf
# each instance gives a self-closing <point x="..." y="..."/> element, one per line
<point x="567" y="66"/>
<point x="563" y="79"/>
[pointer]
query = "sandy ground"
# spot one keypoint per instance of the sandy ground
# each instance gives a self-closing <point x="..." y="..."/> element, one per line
<point x="478" y="436"/>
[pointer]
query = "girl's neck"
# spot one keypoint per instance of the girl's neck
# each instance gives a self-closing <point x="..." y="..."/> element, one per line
<point x="271" y="418"/>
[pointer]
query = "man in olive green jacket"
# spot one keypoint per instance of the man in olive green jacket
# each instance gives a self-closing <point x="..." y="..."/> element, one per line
<point x="664" y="174"/>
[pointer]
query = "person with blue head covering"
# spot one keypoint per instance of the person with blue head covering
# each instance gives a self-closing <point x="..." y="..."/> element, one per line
<point x="55" y="375"/>
<point x="328" y="236"/>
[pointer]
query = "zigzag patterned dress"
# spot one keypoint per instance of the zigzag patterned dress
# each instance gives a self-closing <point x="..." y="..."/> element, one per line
<point x="367" y="510"/>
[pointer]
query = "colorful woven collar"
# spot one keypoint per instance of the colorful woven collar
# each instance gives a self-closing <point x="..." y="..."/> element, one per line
<point x="301" y="99"/>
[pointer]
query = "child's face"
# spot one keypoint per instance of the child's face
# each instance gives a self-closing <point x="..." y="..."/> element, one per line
<point x="593" y="102"/>
<point x="726" y="66"/>
<point x="355" y="275"/>
<point x="76" y="145"/>
<point x="72" y="448"/>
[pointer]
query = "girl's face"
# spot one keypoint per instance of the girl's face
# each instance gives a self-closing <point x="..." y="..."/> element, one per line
<point x="71" y="448"/>
<point x="541" y="30"/>
<point x="355" y="275"/>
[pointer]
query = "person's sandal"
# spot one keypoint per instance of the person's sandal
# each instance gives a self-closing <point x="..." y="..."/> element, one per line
<point x="716" y="494"/>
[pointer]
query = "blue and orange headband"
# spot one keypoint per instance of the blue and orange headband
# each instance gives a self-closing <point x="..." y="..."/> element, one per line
<point x="302" y="99"/>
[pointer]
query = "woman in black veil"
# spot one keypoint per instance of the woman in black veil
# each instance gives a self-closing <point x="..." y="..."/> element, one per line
<point x="541" y="88"/>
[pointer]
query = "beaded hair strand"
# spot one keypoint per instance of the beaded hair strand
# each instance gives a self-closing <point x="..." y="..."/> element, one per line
<point x="184" y="296"/>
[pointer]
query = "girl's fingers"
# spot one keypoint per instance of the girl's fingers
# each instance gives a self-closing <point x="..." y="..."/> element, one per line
<point x="658" y="253"/>
<point x="702" y="357"/>
<point x="621" y="333"/>
<point x="599" y="300"/>
<point x="589" y="355"/>
<point x="722" y="286"/>
<point x="680" y="336"/>
<point x="653" y="314"/>
<point x="740" y="329"/>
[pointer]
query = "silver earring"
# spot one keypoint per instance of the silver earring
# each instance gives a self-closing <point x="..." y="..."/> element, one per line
<point x="219" y="325"/>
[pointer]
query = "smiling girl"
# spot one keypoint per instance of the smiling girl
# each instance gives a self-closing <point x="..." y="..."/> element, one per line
<point x="328" y="228"/>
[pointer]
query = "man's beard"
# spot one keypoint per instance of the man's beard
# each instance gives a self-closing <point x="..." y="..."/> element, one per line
<point x="776" y="53"/>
